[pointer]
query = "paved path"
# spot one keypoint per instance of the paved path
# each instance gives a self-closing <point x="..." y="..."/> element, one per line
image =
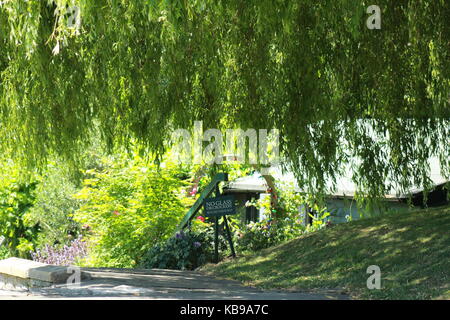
<point x="159" y="284"/>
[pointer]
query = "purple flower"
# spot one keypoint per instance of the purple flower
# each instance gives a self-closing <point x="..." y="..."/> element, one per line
<point x="64" y="256"/>
<point x="179" y="235"/>
<point x="197" y="244"/>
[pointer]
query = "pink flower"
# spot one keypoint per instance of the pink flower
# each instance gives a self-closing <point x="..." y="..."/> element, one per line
<point x="202" y="219"/>
<point x="193" y="192"/>
<point x="117" y="213"/>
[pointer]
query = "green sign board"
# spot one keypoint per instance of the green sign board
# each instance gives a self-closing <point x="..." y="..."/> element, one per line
<point x="219" y="206"/>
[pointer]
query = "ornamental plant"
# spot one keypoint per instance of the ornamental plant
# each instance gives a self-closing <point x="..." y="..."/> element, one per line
<point x="185" y="251"/>
<point x="62" y="256"/>
<point x="126" y="208"/>
<point x="259" y="235"/>
<point x="4" y="253"/>
<point x="285" y="222"/>
<point x="54" y="206"/>
<point x="17" y="196"/>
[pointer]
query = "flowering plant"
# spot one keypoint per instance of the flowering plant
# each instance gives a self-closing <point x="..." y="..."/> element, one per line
<point x="126" y="208"/>
<point x="63" y="256"/>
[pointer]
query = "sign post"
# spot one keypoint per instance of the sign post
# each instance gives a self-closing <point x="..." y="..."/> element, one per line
<point x="230" y="240"/>
<point x="216" y="240"/>
<point x="220" y="206"/>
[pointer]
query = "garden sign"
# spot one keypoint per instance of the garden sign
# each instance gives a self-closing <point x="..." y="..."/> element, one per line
<point x="219" y="206"/>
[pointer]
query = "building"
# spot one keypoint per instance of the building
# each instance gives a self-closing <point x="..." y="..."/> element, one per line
<point x="339" y="202"/>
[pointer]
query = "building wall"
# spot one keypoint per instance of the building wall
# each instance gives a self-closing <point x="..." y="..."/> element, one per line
<point x="340" y="208"/>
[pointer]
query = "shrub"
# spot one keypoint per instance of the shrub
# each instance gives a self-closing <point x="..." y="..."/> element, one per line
<point x="54" y="207"/>
<point x="128" y="207"/>
<point x="62" y="255"/>
<point x="285" y="222"/>
<point x="264" y="234"/>
<point x="4" y="253"/>
<point x="17" y="196"/>
<point x="186" y="250"/>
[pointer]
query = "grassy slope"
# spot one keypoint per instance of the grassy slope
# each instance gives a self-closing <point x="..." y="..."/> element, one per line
<point x="412" y="250"/>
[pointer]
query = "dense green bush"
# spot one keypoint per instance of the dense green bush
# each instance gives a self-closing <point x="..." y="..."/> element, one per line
<point x="4" y="253"/>
<point x="54" y="207"/>
<point x="185" y="251"/>
<point x="128" y="207"/>
<point x="17" y="196"/>
<point x="284" y="222"/>
<point x="188" y="249"/>
<point x="266" y="233"/>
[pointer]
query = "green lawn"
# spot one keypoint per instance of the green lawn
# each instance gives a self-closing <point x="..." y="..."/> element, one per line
<point x="412" y="250"/>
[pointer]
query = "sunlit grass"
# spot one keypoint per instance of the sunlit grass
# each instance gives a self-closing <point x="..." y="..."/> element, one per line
<point x="412" y="250"/>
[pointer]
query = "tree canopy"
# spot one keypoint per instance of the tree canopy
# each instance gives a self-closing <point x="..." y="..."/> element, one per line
<point x="137" y="70"/>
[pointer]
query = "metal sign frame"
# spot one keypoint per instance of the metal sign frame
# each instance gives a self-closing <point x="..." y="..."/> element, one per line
<point x="232" y="210"/>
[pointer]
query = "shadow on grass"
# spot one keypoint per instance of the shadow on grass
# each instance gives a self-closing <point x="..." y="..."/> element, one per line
<point x="411" y="249"/>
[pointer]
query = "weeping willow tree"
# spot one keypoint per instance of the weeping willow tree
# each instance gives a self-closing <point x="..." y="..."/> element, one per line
<point x="138" y="69"/>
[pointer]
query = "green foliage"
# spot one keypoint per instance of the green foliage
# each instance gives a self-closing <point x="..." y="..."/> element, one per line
<point x="127" y="208"/>
<point x="290" y="202"/>
<point x="267" y="233"/>
<point x="54" y="207"/>
<point x="16" y="198"/>
<point x="289" y="199"/>
<point x="4" y="253"/>
<point x="138" y="69"/>
<point x="185" y="251"/>
<point x="319" y="216"/>
<point x="285" y="221"/>
<point x="411" y="249"/>
<point x="188" y="249"/>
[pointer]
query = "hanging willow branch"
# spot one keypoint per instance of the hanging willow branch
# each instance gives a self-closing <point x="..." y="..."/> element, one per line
<point x="375" y="102"/>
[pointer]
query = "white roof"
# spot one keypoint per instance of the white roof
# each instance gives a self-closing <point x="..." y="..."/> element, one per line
<point x="252" y="183"/>
<point x="344" y="184"/>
